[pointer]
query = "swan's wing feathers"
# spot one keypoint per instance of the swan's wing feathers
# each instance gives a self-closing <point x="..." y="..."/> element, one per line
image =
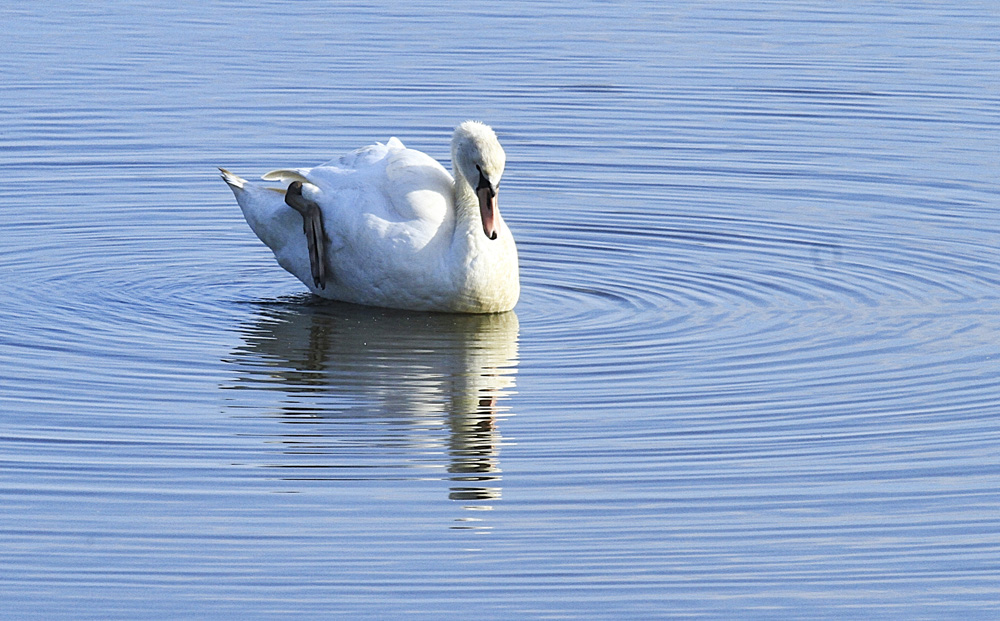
<point x="417" y="186"/>
<point x="369" y="155"/>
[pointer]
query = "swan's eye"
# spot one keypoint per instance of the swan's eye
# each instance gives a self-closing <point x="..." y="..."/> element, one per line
<point x="484" y="182"/>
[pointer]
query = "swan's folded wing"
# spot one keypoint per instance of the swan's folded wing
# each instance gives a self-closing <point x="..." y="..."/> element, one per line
<point x="418" y="187"/>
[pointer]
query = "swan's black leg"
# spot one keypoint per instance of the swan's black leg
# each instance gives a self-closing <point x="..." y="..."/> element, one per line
<point x="312" y="225"/>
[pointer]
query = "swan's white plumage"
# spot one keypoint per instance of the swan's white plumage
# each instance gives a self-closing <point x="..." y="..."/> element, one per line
<point x="401" y="231"/>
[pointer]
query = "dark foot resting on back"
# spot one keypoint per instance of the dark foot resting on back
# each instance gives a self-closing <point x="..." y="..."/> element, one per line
<point x="312" y="225"/>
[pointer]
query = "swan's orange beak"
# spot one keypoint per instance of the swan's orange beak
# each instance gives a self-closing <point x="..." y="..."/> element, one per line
<point x="488" y="210"/>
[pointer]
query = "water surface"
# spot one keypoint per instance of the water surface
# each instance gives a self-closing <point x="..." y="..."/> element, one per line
<point x="754" y="370"/>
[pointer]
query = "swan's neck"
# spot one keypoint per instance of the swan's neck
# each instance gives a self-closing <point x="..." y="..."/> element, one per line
<point x="486" y="268"/>
<point x="468" y="220"/>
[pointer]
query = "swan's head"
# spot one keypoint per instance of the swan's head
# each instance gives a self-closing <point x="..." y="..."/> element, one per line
<point x="478" y="160"/>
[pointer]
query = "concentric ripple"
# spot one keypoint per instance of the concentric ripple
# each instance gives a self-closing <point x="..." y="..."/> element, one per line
<point x="786" y="313"/>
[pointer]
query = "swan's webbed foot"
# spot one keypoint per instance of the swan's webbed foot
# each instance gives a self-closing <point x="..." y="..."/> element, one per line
<point x="312" y="225"/>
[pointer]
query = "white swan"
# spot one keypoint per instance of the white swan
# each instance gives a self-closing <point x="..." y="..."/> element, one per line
<point x="388" y="226"/>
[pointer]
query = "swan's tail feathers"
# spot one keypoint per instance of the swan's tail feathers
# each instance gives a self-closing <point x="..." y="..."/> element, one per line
<point x="264" y="209"/>
<point x="235" y="181"/>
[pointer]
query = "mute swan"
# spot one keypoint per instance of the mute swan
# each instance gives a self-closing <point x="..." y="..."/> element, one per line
<point x="388" y="226"/>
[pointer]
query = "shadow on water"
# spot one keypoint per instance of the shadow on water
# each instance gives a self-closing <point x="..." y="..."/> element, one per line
<point x="381" y="392"/>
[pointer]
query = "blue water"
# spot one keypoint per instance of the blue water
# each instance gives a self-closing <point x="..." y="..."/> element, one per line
<point x="754" y="371"/>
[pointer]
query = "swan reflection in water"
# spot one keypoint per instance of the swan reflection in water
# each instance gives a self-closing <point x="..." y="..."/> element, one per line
<point x="381" y="392"/>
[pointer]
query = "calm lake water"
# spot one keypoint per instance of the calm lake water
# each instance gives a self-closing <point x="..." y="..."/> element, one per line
<point x="754" y="372"/>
